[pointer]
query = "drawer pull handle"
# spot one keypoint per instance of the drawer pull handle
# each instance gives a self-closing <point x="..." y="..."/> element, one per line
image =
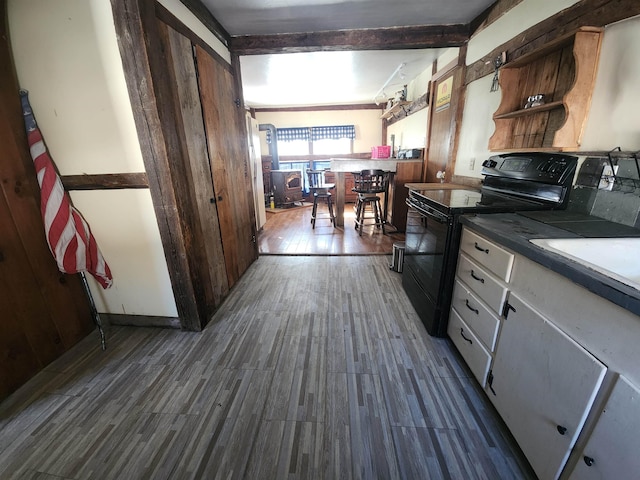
<point x="481" y="280"/>
<point x="588" y="460"/>
<point x="478" y="247"/>
<point x="475" y="310"/>
<point x="467" y="339"/>
<point x="561" y="430"/>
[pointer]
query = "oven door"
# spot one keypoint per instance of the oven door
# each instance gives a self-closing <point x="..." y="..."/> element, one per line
<point x="427" y="245"/>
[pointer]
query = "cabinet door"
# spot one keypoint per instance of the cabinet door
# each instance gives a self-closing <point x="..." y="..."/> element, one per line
<point x="543" y="386"/>
<point x="613" y="447"/>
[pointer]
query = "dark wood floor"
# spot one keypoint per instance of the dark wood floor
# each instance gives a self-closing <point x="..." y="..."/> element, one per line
<point x="289" y="232"/>
<point x="314" y="367"/>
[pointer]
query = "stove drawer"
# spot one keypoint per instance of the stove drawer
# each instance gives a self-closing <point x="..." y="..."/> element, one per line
<point x="475" y="355"/>
<point x="498" y="260"/>
<point x="487" y="287"/>
<point x="475" y="313"/>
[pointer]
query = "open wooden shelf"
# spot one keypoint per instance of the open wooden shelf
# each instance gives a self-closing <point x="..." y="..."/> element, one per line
<point x="390" y="112"/>
<point x="564" y="71"/>
<point x="531" y="111"/>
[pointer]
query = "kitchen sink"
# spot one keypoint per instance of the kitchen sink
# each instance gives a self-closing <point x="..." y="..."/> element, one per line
<point x="617" y="258"/>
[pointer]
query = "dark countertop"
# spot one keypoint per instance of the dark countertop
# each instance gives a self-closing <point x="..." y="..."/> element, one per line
<point x="514" y="232"/>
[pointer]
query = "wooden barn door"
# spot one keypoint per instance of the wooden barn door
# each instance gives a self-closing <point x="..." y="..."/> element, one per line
<point x="227" y="141"/>
<point x="206" y="245"/>
<point x="194" y="147"/>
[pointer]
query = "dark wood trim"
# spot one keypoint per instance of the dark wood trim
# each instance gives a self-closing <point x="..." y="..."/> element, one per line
<point x="363" y="106"/>
<point x="170" y="19"/>
<point x="107" y="181"/>
<point x="459" y="112"/>
<point x="595" y="13"/>
<point x="491" y="14"/>
<point x="208" y="20"/>
<point x="136" y="24"/>
<point x="140" y="320"/>
<point x="444" y="71"/>
<point x="395" y="38"/>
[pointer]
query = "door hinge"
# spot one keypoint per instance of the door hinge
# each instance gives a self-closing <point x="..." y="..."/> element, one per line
<point x="490" y="381"/>
<point x="237" y="102"/>
<point x="505" y="310"/>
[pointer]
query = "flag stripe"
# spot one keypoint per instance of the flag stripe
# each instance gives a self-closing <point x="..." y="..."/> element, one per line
<point x="69" y="237"/>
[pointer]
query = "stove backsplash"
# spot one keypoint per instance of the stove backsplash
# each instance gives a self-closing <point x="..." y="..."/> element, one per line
<point x="621" y="204"/>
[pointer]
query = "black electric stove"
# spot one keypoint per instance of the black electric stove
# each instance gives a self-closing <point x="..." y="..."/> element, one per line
<point x="514" y="182"/>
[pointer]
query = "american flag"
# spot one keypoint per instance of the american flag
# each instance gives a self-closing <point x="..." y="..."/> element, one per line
<point x="69" y="237"/>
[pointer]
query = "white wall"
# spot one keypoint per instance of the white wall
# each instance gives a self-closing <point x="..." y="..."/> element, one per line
<point x="67" y="56"/>
<point x="614" y="119"/>
<point x="411" y="131"/>
<point x="367" y="123"/>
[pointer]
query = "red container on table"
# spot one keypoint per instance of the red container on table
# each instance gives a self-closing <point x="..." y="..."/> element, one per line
<point x="383" y="151"/>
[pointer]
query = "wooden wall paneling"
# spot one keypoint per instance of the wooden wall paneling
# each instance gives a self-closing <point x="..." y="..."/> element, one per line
<point x="31" y="335"/>
<point x="226" y="140"/>
<point x="136" y="23"/>
<point x="201" y="183"/>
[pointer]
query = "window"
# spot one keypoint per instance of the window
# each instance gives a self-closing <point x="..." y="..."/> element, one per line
<point x="294" y="147"/>
<point x="332" y="147"/>
<point x="325" y="140"/>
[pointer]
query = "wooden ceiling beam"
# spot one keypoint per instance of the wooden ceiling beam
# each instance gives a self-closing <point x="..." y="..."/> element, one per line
<point x="394" y="38"/>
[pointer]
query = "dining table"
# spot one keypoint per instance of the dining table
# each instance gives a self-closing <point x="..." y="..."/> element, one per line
<point x="341" y="166"/>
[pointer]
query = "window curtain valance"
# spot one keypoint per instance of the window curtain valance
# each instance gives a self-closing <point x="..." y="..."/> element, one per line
<point x="335" y="132"/>
<point x="332" y="132"/>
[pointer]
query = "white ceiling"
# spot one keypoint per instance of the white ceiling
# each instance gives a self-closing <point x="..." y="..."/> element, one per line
<point x="329" y="78"/>
<point x="332" y="78"/>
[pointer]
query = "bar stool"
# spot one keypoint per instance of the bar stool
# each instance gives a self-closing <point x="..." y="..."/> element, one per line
<point x="368" y="185"/>
<point x="320" y="190"/>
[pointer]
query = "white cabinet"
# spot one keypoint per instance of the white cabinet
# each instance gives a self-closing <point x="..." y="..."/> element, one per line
<point x="548" y="356"/>
<point x="495" y="258"/>
<point x="492" y="291"/>
<point x="543" y="386"/>
<point x="613" y="449"/>
<point x="479" y="293"/>
<point x="475" y="312"/>
<point x="474" y="353"/>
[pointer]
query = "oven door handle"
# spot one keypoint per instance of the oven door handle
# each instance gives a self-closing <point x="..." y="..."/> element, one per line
<point x="433" y="214"/>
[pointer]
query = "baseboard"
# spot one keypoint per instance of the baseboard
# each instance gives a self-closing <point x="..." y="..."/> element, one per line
<point x="140" y="320"/>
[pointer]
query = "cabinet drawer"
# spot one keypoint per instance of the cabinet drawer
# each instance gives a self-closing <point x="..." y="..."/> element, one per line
<point x="482" y="283"/>
<point x="488" y="254"/>
<point x="476" y="314"/>
<point x="475" y="355"/>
